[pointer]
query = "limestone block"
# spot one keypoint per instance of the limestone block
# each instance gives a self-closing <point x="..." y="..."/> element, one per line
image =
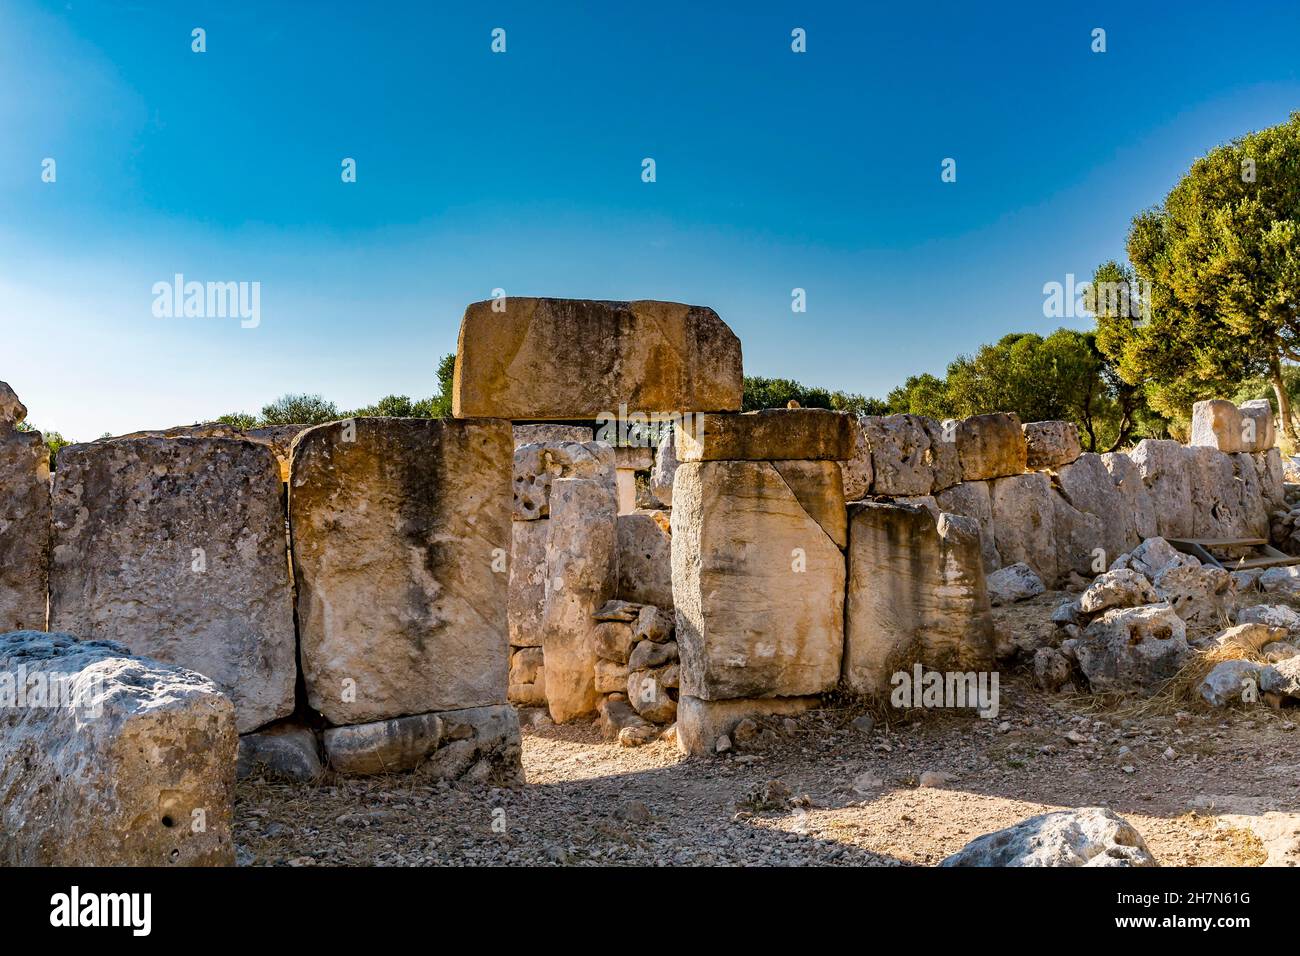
<point x="1137" y="648"/>
<point x="1024" y="522"/>
<point x="916" y="594"/>
<point x="478" y="743"/>
<point x="1137" y="516"/>
<point x="581" y="575"/>
<point x="758" y="585"/>
<point x="526" y="584"/>
<point x="972" y="498"/>
<point x="400" y="527"/>
<point x="176" y="548"/>
<point x="576" y="359"/>
<point x="1090" y="836"/>
<point x="701" y="722"/>
<point x="120" y="772"/>
<point x="1217" y="424"/>
<point x="1051" y="444"/>
<point x="856" y="472"/>
<point x="1261" y="435"/>
<point x="551" y="434"/>
<point x="12" y="411"/>
<point x="1087" y="485"/>
<point x="284" y="752"/>
<point x="768" y="435"/>
<point x="537" y="465"/>
<point x="1165" y="471"/>
<point x="24" y="522"/>
<point x="991" y="446"/>
<point x="665" y="467"/>
<point x="1219" y="508"/>
<point x="645" y="558"/>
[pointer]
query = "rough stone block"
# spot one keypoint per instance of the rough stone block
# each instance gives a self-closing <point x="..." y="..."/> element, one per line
<point x="536" y="466"/>
<point x="701" y="722"/>
<point x="1164" y="467"/>
<point x="481" y="744"/>
<point x="991" y="446"/>
<point x="1024" y="522"/>
<point x="768" y="435"/>
<point x="645" y="558"/>
<point x="1051" y="444"/>
<point x="1216" y="423"/>
<point x="527" y="582"/>
<point x="24" y="524"/>
<point x="972" y="499"/>
<point x="400" y="527"/>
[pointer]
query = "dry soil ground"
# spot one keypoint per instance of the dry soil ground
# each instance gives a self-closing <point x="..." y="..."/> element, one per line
<point x="1202" y="787"/>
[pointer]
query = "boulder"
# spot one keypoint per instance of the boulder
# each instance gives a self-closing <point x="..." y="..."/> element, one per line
<point x="1282" y="581"/>
<point x="526" y="583"/>
<point x="1121" y="588"/>
<point x="1251" y="637"/>
<point x="645" y="558"/>
<point x="24" y="521"/>
<point x="481" y="744"/>
<point x="972" y="499"/>
<point x="524" y="665"/>
<point x="284" y="752"/>
<point x="536" y="466"/>
<point x="1090" y="836"/>
<point x="1230" y="682"/>
<point x="1087" y="485"/>
<point x="651" y="697"/>
<point x="653" y="624"/>
<point x="1080" y="539"/>
<point x="1217" y="424"/>
<point x="1272" y="615"/>
<point x="1051" y="444"/>
<point x="916" y="595"/>
<point x="1024" y="523"/>
<point x="1201" y="596"/>
<point x="1137" y="648"/>
<point x="902" y="461"/>
<point x="1282" y="678"/>
<point x="1051" y="669"/>
<point x="665" y="468"/>
<point x="617" y="717"/>
<point x="1153" y="556"/>
<point x="401" y="527"/>
<point x="577" y="359"/>
<point x="813" y="434"/>
<point x="758" y="584"/>
<point x="1163" y="465"/>
<point x="1268" y="469"/>
<point x="176" y="548"/>
<point x="613" y="641"/>
<point x="134" y="766"/>
<point x="701" y="722"/>
<point x="1016" y="582"/>
<point x="1257" y="430"/>
<point x="856" y="472"/>
<point x="611" y="677"/>
<point x="991" y="446"/>
<point x="582" y="574"/>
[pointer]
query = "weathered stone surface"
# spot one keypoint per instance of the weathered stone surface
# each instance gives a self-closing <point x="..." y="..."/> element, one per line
<point x="611" y="677"/>
<point x="701" y="722"/>
<point x="647" y="655"/>
<point x="916" y="594"/>
<point x="1024" y="522"/>
<point x="24" y="522"/>
<point x="576" y="359"/>
<point x="119" y="776"/>
<point x="526" y="585"/>
<point x="1136" y="648"/>
<point x="1153" y="556"/>
<point x="991" y="446"/>
<point x="1051" y="669"/>
<point x="536" y="466"/>
<point x="284" y="751"/>
<point x="478" y="743"/>
<point x="1163" y="465"/>
<point x="1051" y="444"/>
<point x="1201" y="596"/>
<point x="769" y="435"/>
<point x="1016" y="582"/>
<point x="551" y="434"/>
<point x="972" y="498"/>
<point x="524" y="665"/>
<point x="1120" y="588"/>
<point x="1080" y="539"/>
<point x="819" y="488"/>
<point x="653" y="624"/>
<point x="176" y="548"/>
<point x="757" y="582"/>
<point x="1260" y="436"/>
<point x="12" y="411"/>
<point x="613" y="641"/>
<point x="901" y="458"/>
<point x="945" y="453"/>
<point x="651" y="697"/>
<point x="398" y="536"/>
<point x="279" y="438"/>
<point x="1087" y="485"/>
<point x="1091" y="836"/>
<point x="645" y="558"/>
<point x="665" y="468"/>
<point x="581" y="575"/>
<point x="617" y="716"/>
<point x="856" y="472"/>
<point x="1282" y="678"/>
<point x="1272" y="615"/>
<point x="1268" y="469"/>
<point x="1284" y="580"/>
<point x="1220" y="509"/>
<point x="1137" y="515"/>
<point x="1228" y="681"/>
<point x="1251" y="636"/>
<point x="1216" y="423"/>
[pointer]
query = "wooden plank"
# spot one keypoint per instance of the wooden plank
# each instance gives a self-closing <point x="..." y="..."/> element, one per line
<point x="1220" y="542"/>
<point x="1266" y="562"/>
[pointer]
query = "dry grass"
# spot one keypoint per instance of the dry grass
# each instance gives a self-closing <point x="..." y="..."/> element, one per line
<point x="1237" y="846"/>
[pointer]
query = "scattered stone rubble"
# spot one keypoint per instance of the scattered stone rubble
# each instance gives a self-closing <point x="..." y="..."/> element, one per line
<point x="1089" y="836"/>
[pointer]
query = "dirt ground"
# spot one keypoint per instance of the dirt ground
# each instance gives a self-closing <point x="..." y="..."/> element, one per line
<point x="1202" y="787"/>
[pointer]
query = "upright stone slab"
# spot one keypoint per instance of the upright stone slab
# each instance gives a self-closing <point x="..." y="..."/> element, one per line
<point x="911" y="455"/>
<point x="24" y="526"/>
<point x="536" y="465"/>
<point x="665" y="468"/>
<point x="916" y="594"/>
<point x="576" y="359"/>
<point x="581" y="575"/>
<point x="175" y="547"/>
<point x="1268" y="469"/>
<point x="768" y="435"/>
<point x="1024" y="522"/>
<point x="972" y="498"/>
<point x="991" y="446"/>
<point x="1259" y="435"/>
<point x="857" y="471"/>
<point x="645" y="558"/>
<point x="136" y="767"/>
<point x="758" y="584"/>
<point x="1088" y="486"/>
<point x="401" y="530"/>
<point x="527" y="582"/>
<point x="1051" y="444"/>
<point x="1163" y="465"/>
<point x="1219" y="507"/>
<point x="1138" y="514"/>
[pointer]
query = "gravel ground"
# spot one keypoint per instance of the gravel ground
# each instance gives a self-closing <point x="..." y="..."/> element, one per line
<point x="825" y="792"/>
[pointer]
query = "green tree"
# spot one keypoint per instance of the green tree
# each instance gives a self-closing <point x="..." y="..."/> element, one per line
<point x="299" y="410"/>
<point x="241" y="420"/>
<point x="923" y="394"/>
<point x="53" y="441"/>
<point x="1220" y="262"/>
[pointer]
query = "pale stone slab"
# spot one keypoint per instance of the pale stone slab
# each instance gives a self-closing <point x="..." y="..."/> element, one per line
<point x="757" y="582"/>
<point x="1088" y="486"/>
<point x="857" y="471"/>
<point x="768" y="435"/>
<point x="481" y="744"/>
<point x="1051" y="444"/>
<point x="991" y="446"/>
<point x="972" y="498"/>
<point x="578" y="359"/>
<point x="1217" y="424"/>
<point x="24" y="526"/>
<point x="1138" y="514"/>
<point x="1024" y="522"/>
<point x="175" y="547"/>
<point x="1261" y="435"/>
<point x="645" y="558"/>
<point x="121" y="778"/>
<point x="527" y="582"/>
<point x="401" y="528"/>
<point x="1164" y="467"/>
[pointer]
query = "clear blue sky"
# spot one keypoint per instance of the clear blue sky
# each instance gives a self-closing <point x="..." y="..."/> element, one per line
<point x="522" y="171"/>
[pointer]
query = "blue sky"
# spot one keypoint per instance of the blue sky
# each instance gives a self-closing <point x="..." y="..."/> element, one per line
<point x="522" y="171"/>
